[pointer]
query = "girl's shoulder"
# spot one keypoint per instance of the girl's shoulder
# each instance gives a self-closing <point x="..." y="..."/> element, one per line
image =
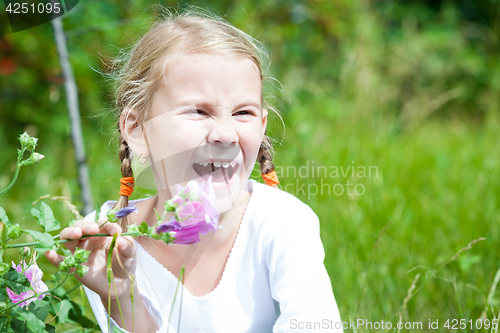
<point x="271" y="203"/>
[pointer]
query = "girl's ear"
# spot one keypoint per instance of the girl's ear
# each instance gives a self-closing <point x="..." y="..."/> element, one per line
<point x="131" y="131"/>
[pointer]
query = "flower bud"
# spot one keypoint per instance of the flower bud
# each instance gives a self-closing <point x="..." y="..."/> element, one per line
<point x="63" y="267"/>
<point x="25" y="251"/>
<point x="14" y="231"/>
<point x="82" y="270"/>
<point x="4" y="268"/>
<point x="170" y="206"/>
<point x="36" y="157"/>
<point x="70" y="261"/>
<point x="32" y="144"/>
<point x="112" y="215"/>
<point x="81" y="255"/>
<point x="28" y="142"/>
<point x="24" y="139"/>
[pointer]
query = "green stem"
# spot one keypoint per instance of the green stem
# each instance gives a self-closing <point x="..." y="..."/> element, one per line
<point x="118" y="302"/>
<point x="71" y="290"/>
<point x="132" y="278"/>
<point x="182" y="297"/>
<point x="18" y="166"/>
<point x="181" y="277"/>
<point x="109" y="273"/>
<point x="61" y="241"/>
<point x="109" y="305"/>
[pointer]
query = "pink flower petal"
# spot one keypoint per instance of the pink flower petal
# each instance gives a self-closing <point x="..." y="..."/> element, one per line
<point x="15" y="298"/>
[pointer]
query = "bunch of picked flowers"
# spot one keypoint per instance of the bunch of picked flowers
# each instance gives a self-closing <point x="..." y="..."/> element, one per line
<point x="195" y="212"/>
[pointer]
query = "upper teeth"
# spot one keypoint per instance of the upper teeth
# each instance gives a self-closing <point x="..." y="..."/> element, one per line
<point x="218" y="164"/>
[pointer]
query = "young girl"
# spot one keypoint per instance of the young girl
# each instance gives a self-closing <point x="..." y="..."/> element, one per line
<point x="191" y="107"/>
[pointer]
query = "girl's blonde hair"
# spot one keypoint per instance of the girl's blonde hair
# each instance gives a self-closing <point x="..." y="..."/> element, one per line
<point x="190" y="31"/>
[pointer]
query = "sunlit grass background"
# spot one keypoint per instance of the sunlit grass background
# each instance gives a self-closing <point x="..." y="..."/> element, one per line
<point x="410" y="89"/>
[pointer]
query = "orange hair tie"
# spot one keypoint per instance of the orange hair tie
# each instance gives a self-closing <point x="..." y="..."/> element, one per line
<point x="270" y="178"/>
<point x="127" y="186"/>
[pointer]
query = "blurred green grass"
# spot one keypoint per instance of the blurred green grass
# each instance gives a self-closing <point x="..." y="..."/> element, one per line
<point x="436" y="191"/>
<point x="410" y="91"/>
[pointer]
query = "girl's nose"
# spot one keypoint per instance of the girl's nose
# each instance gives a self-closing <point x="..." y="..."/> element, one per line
<point x="222" y="134"/>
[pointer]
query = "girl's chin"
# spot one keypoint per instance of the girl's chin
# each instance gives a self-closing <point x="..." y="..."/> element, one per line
<point x="228" y="191"/>
<point x="225" y="204"/>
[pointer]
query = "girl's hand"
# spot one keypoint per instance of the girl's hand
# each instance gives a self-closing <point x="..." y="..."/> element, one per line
<point x="96" y="279"/>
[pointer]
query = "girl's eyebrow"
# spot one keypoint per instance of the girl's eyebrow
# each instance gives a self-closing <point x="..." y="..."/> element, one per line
<point x="210" y="105"/>
<point x="249" y="103"/>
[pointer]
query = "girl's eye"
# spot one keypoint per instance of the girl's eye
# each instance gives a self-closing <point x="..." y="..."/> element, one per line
<point x="196" y="113"/>
<point x="243" y="113"/>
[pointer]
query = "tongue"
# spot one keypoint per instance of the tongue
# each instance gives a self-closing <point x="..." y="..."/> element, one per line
<point x="220" y="175"/>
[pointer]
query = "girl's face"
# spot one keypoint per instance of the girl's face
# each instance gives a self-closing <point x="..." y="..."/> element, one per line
<point x="206" y="119"/>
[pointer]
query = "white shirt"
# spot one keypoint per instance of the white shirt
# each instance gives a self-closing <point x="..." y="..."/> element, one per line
<point x="274" y="279"/>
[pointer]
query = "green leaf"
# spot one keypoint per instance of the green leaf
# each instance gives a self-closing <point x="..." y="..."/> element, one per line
<point x="33" y="323"/>
<point x="40" y="308"/>
<point x="3" y="216"/>
<point x="45" y="218"/>
<point x="76" y="314"/>
<point x="71" y="312"/>
<point x="97" y="211"/>
<point x="157" y="215"/>
<point x="50" y="328"/>
<point x="109" y="270"/>
<point x="144" y="227"/>
<point x="45" y="239"/>
<point x="17" y="282"/>
<point x="17" y="326"/>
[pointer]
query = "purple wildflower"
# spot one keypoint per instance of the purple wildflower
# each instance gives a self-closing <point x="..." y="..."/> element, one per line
<point x="192" y="212"/>
<point x="195" y="213"/>
<point x="121" y="213"/>
<point x="172" y="225"/>
<point x="34" y="275"/>
<point x="187" y="235"/>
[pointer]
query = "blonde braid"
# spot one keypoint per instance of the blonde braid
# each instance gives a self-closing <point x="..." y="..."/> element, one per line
<point x="265" y="156"/>
<point x="126" y="169"/>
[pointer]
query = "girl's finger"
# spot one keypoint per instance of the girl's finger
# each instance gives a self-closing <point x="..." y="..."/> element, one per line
<point x="71" y="233"/>
<point x="126" y="246"/>
<point x="53" y="257"/>
<point x="79" y="229"/>
<point x="88" y="227"/>
<point x="111" y="228"/>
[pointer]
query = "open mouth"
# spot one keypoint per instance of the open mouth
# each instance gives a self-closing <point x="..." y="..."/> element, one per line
<point x="220" y="170"/>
